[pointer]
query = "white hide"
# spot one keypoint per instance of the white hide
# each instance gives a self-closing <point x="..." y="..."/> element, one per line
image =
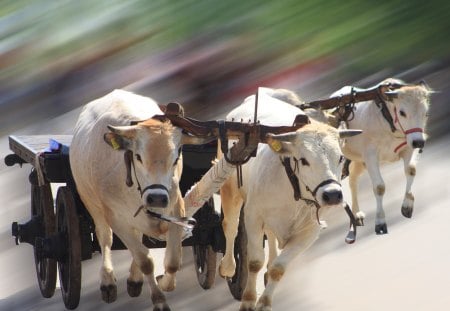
<point x="378" y="144"/>
<point x="100" y="174"/>
<point x="269" y="198"/>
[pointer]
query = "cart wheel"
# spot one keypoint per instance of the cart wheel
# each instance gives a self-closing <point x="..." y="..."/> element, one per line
<point x="205" y="257"/>
<point x="237" y="283"/>
<point x="42" y="209"/>
<point x="69" y="263"/>
<point x="205" y="265"/>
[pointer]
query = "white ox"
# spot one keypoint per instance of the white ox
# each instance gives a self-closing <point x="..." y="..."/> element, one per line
<point x="267" y="194"/>
<point x="408" y="108"/>
<point x="154" y="164"/>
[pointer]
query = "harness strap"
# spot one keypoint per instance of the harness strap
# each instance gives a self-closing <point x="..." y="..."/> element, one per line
<point x="385" y="113"/>
<point x="292" y="178"/>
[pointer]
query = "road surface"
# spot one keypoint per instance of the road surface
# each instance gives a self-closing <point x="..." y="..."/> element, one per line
<point x="408" y="269"/>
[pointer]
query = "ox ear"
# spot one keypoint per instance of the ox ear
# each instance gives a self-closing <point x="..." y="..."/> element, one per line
<point x="120" y="137"/>
<point x="280" y="143"/>
<point x="349" y="133"/>
<point x="187" y="139"/>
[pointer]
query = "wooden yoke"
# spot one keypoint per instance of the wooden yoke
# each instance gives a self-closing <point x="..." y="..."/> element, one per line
<point x="247" y="134"/>
<point x="356" y="95"/>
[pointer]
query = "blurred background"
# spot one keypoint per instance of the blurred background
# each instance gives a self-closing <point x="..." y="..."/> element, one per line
<point x="55" y="56"/>
<point x="58" y="55"/>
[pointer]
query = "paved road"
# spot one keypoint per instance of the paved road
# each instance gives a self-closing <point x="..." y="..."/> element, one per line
<point x="408" y="269"/>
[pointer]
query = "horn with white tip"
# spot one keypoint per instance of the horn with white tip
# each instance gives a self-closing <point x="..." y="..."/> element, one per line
<point x="349" y="133"/>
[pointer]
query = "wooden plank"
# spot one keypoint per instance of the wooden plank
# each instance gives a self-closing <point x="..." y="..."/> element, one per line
<point x="28" y="146"/>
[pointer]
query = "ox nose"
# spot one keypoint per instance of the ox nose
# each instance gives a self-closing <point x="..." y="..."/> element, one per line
<point x="332" y="197"/>
<point x="157" y="200"/>
<point x="418" y="143"/>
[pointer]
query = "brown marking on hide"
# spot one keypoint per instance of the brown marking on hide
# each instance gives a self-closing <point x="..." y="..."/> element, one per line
<point x="248" y="296"/>
<point x="265" y="301"/>
<point x="163" y="227"/>
<point x="276" y="272"/>
<point x="409" y="196"/>
<point x="254" y="266"/>
<point x="172" y="269"/>
<point x="380" y="189"/>
<point x="412" y="170"/>
<point x="147" y="266"/>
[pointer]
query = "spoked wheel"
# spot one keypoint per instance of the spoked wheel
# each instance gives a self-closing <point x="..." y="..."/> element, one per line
<point x="237" y="283"/>
<point x="69" y="263"/>
<point x="42" y="210"/>
<point x="205" y="257"/>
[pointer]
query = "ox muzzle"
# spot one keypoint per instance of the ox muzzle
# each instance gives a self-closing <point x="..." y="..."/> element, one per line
<point x="156" y="196"/>
<point x="328" y="193"/>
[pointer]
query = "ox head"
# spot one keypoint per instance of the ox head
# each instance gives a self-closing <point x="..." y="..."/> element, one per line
<point x="317" y="152"/>
<point x="410" y="105"/>
<point x="153" y="158"/>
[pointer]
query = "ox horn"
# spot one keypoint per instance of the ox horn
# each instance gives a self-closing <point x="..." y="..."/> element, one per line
<point x="391" y="94"/>
<point x="349" y="133"/>
<point x="286" y="137"/>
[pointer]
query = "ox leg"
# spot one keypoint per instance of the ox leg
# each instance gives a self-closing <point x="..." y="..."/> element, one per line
<point x="278" y="267"/>
<point x="142" y="258"/>
<point x="255" y="251"/>
<point x="135" y="280"/>
<point x="355" y="171"/>
<point x="172" y="258"/>
<point x="108" y="285"/>
<point x="409" y="161"/>
<point x="231" y="207"/>
<point x="273" y="252"/>
<point x="378" y="190"/>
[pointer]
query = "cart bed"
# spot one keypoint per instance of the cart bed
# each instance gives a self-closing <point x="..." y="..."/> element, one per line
<point x="27" y="147"/>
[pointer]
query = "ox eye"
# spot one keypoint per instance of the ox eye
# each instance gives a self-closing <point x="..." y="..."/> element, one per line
<point x="138" y="157"/>
<point x="402" y="113"/>
<point x="341" y="159"/>
<point x="304" y="162"/>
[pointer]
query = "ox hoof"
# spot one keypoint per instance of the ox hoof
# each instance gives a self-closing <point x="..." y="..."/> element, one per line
<point x="134" y="289"/>
<point x="381" y="229"/>
<point x="163" y="307"/>
<point x="263" y="308"/>
<point x="109" y="293"/>
<point x="407" y="211"/>
<point x="359" y="221"/>
<point x="351" y="237"/>
<point x="359" y="217"/>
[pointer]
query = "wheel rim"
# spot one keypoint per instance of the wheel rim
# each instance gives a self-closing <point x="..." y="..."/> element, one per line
<point x="42" y="210"/>
<point x="69" y="263"/>
<point x="204" y="254"/>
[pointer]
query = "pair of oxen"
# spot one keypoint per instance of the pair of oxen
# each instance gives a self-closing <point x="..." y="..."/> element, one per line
<point x="315" y="154"/>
